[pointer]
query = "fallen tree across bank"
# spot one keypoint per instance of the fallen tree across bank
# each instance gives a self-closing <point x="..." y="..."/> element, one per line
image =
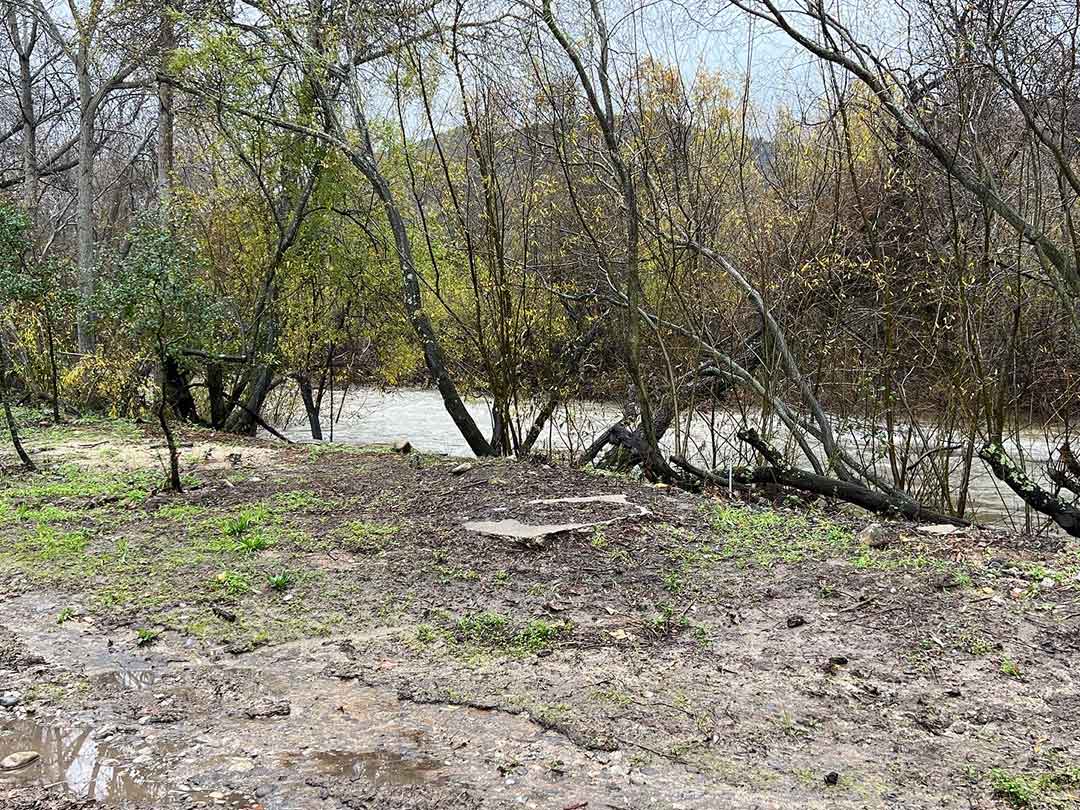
<point x="777" y="472"/>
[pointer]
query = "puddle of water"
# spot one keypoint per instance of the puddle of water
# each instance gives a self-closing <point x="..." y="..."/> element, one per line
<point x="74" y="758"/>
<point x="220" y="799"/>
<point x="378" y="767"/>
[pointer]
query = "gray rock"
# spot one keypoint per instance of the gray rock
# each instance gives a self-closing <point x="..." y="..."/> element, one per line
<point x="9" y="700"/>
<point x="874" y="535"/>
<point x="280" y="708"/>
<point x="461" y="469"/>
<point x="20" y="759"/>
<point x="1047" y="583"/>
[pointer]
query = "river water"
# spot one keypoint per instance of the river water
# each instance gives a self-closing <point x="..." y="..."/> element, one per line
<point x="374" y="416"/>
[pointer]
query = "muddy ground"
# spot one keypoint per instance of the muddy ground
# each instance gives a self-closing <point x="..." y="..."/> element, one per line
<point x="313" y="627"/>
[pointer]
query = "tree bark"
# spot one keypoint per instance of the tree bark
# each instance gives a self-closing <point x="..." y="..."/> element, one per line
<point x="310" y="407"/>
<point x="174" y="452"/>
<point x="53" y="371"/>
<point x="215" y="390"/>
<point x="84" y="206"/>
<point x="165" y="141"/>
<point x="13" y="428"/>
<point x="1063" y="514"/>
<point x="177" y="392"/>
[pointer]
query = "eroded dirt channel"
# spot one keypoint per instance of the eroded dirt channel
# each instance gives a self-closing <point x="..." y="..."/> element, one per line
<point x="182" y="727"/>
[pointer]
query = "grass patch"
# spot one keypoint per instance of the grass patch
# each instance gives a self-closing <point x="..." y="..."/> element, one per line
<point x="298" y="500"/>
<point x="144" y="636"/>
<point x="72" y="481"/>
<point x="232" y="583"/>
<point x="766" y="537"/>
<point x="280" y="581"/>
<point x="1011" y="669"/>
<point x="495" y="632"/>
<point x="182" y="512"/>
<point x="50" y="543"/>
<point x="1038" y="791"/>
<point x="362" y="537"/>
<point x="246" y="532"/>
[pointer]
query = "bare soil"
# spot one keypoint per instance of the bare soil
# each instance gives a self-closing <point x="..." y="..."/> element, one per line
<point x="707" y="654"/>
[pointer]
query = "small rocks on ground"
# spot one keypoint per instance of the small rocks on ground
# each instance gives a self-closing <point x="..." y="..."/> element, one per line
<point x="20" y="759"/>
<point x="461" y="469"/>
<point x="278" y="708"/>
<point x="834" y="663"/>
<point x="9" y="700"/>
<point x="832" y="778"/>
<point x="875" y="535"/>
<point x="796" y="620"/>
<point x="223" y="613"/>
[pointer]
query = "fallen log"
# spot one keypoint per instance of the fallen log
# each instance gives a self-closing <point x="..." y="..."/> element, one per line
<point x="779" y="473"/>
<point x="1063" y="514"/>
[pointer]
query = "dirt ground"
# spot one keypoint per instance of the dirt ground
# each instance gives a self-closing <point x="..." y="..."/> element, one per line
<point x="314" y="627"/>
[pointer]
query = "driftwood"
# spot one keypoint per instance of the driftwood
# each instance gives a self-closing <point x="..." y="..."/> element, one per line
<point x="777" y="472"/>
<point x="1063" y="514"/>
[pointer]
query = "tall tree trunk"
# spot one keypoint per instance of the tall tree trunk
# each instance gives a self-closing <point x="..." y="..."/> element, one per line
<point x="53" y="371"/>
<point x="84" y="212"/>
<point x="165" y="142"/>
<point x="414" y="307"/>
<point x="215" y="389"/>
<point x="29" y="128"/>
<point x="311" y="408"/>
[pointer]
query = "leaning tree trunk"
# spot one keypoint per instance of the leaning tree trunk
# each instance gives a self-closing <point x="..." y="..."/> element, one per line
<point x="434" y="357"/>
<point x="1063" y="514"/>
<point x="9" y="417"/>
<point x="170" y="441"/>
<point x="244" y="417"/>
<point x="13" y="430"/>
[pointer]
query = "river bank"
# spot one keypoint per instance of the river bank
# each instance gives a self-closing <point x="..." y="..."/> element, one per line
<point x="371" y="415"/>
<point x="315" y="627"/>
